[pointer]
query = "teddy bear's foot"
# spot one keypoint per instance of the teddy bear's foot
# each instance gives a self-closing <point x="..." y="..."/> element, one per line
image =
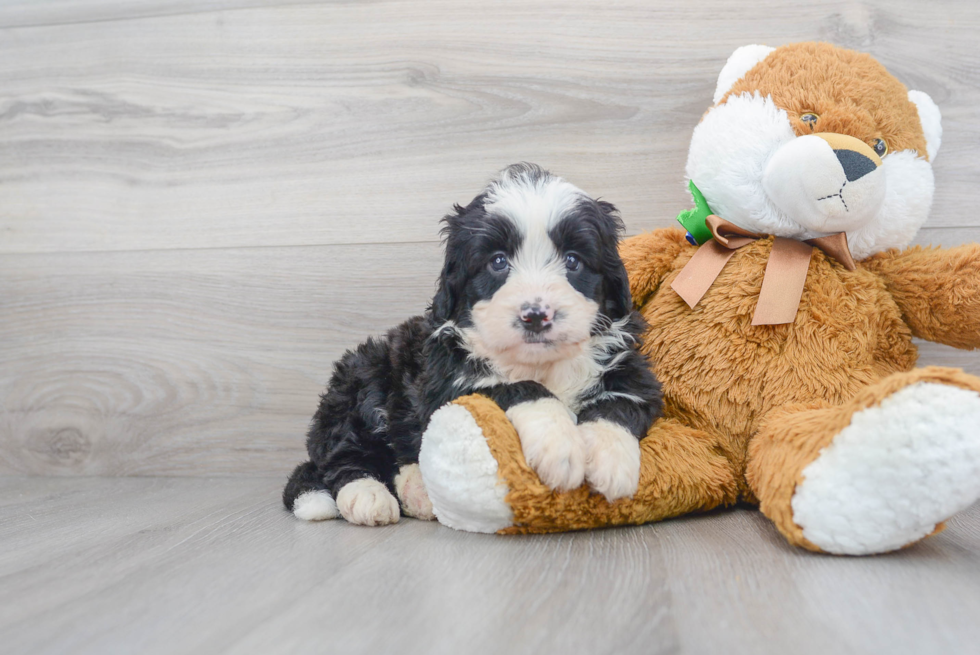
<point x="898" y="470"/>
<point x="460" y="473"/>
<point x="877" y="473"/>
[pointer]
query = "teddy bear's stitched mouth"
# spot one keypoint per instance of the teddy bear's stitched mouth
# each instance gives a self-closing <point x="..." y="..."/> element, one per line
<point x="839" y="194"/>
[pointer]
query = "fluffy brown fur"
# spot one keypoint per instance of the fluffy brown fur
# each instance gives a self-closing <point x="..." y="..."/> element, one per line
<point x="850" y="92"/>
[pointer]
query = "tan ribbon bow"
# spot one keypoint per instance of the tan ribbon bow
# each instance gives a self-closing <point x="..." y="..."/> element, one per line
<point x="782" y="283"/>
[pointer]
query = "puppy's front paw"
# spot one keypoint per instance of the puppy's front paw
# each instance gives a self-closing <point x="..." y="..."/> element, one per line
<point x="551" y="442"/>
<point x="612" y="464"/>
<point x="412" y="494"/>
<point x="367" y="502"/>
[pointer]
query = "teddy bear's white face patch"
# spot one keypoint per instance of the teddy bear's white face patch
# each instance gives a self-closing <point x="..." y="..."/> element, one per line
<point x="826" y="183"/>
<point x="756" y="173"/>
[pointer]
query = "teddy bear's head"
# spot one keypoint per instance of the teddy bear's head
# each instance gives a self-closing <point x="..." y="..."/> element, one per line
<point x="809" y="139"/>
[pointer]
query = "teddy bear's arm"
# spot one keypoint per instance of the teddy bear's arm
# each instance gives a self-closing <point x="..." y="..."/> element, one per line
<point x="648" y="258"/>
<point x="937" y="290"/>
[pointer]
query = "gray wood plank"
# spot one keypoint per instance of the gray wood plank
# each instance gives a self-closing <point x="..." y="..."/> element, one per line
<point x="186" y="362"/>
<point x="35" y="13"/>
<point x="329" y="123"/>
<point x="163" y="565"/>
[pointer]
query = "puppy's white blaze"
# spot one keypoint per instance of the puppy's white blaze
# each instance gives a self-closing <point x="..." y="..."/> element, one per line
<point x="315" y="506"/>
<point x="412" y="494"/>
<point x="613" y="461"/>
<point x="534" y="204"/>
<point x="551" y="443"/>
<point x="367" y="502"/>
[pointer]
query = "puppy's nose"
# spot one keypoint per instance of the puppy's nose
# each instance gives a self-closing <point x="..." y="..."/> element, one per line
<point x="536" y="318"/>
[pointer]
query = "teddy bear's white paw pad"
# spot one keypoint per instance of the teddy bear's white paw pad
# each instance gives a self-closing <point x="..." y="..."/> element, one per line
<point x="894" y="473"/>
<point x="367" y="502"/>
<point x="411" y="493"/>
<point x="551" y="442"/>
<point x="315" y="506"/>
<point x="461" y="474"/>
<point x="612" y="464"/>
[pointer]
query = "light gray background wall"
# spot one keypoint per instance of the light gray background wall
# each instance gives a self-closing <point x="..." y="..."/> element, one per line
<point x="202" y="204"/>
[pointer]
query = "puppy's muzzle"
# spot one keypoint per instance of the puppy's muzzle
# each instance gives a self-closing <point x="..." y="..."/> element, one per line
<point x="826" y="182"/>
<point x="536" y="318"/>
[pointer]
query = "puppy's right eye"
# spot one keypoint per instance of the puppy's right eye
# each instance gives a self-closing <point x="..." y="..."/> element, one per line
<point x="498" y="263"/>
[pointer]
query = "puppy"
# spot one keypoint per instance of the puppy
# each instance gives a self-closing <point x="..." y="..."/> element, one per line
<point x="533" y="310"/>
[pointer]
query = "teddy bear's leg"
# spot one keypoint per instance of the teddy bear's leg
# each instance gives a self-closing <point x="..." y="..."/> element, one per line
<point x="877" y="473"/>
<point x="478" y="480"/>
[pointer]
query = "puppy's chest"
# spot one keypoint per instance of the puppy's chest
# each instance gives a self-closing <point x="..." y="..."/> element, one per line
<point x="570" y="380"/>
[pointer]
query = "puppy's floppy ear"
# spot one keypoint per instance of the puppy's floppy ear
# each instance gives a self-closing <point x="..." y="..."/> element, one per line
<point x="452" y="278"/>
<point x="444" y="302"/>
<point x="619" y="302"/>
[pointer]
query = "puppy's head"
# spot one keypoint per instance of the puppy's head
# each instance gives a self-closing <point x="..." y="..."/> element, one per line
<point x="532" y="268"/>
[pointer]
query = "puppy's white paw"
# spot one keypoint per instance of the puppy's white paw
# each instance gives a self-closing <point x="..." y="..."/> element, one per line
<point x="411" y="493"/>
<point x="315" y="506"/>
<point x="551" y="442"/>
<point x="367" y="502"/>
<point x="612" y="465"/>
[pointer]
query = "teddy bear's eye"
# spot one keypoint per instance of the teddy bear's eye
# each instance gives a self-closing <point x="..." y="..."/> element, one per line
<point x="880" y="147"/>
<point x="809" y="119"/>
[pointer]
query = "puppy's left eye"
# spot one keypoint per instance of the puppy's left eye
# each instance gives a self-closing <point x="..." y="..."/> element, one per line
<point x="572" y="262"/>
<point x="498" y="263"/>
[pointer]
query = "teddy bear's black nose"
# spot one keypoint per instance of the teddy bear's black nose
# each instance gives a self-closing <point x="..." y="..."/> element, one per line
<point x="855" y="164"/>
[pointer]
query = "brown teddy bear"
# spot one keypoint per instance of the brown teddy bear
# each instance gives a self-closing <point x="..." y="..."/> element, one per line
<point x="781" y="325"/>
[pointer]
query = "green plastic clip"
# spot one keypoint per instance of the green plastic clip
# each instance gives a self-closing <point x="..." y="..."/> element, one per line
<point x="694" y="220"/>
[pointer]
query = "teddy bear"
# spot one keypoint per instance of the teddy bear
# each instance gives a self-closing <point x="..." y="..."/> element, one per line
<point x="780" y="323"/>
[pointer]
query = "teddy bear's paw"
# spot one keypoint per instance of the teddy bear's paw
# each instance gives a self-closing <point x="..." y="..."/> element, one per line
<point x="412" y="494"/>
<point x="551" y="442"/>
<point x="612" y="465"/>
<point x="367" y="502"/>
<point x="896" y="472"/>
<point x="461" y="476"/>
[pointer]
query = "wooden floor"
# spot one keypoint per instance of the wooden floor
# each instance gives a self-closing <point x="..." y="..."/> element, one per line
<point x="193" y="565"/>
<point x="204" y="202"/>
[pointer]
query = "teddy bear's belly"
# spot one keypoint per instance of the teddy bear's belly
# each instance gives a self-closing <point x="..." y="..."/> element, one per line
<point x="723" y="374"/>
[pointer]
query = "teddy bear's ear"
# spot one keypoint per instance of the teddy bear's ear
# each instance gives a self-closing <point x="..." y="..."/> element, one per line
<point x="740" y="63"/>
<point x="931" y="121"/>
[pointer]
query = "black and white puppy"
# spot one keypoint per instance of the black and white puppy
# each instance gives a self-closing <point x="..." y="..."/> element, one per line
<point x="533" y="310"/>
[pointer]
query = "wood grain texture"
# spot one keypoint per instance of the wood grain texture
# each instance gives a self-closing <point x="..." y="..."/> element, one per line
<point x="339" y="122"/>
<point x="163" y="565"/>
<point x="202" y="204"/>
<point x="186" y="362"/>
